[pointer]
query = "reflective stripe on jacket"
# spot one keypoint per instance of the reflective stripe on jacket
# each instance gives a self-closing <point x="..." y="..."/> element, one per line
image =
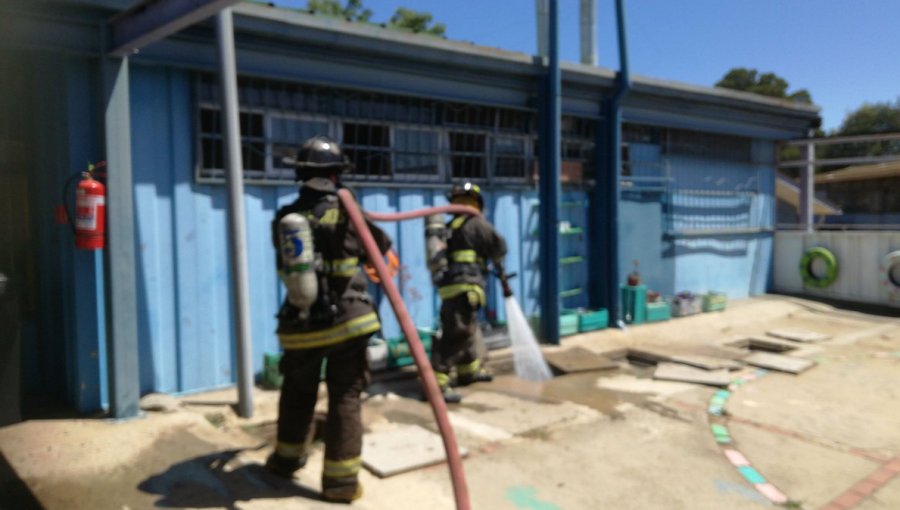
<point x="363" y="325"/>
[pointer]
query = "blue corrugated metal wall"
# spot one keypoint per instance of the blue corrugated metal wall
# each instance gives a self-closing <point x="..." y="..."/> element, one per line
<point x="183" y="280"/>
<point x="663" y="222"/>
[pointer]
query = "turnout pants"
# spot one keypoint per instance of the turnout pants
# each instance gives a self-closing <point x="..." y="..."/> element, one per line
<point x="346" y="376"/>
<point x="459" y="344"/>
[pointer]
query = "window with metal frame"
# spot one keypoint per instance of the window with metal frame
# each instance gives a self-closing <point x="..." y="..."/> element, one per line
<point x="387" y="137"/>
<point x="369" y="148"/>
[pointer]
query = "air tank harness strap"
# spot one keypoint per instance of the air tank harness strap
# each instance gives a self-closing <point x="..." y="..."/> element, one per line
<point x="363" y="325"/>
<point x="341" y="267"/>
<point x="451" y="291"/>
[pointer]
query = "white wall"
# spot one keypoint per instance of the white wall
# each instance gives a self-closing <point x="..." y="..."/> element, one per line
<point x="859" y="255"/>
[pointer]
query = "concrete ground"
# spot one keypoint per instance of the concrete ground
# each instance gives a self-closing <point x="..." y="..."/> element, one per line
<point x="828" y="438"/>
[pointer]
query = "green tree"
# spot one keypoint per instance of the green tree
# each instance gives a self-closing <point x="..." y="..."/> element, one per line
<point x="352" y="11"/>
<point x="416" y="21"/>
<point x="766" y="84"/>
<point x="868" y="119"/>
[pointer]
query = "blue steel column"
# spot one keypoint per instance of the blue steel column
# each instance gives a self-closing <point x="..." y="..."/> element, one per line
<point x="615" y="167"/>
<point x="121" y="284"/>
<point x="549" y="187"/>
<point x="237" y="238"/>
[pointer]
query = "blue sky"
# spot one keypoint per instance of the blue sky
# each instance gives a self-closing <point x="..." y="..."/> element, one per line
<point x="845" y="52"/>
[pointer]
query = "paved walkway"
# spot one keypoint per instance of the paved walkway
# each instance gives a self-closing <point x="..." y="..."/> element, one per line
<point x="825" y="439"/>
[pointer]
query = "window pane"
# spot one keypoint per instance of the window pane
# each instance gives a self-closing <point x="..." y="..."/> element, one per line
<point x="468" y="166"/>
<point x="366" y="135"/>
<point x="509" y="167"/>
<point x="416" y="164"/>
<point x="288" y="134"/>
<point x="509" y="146"/>
<point x="415" y="152"/>
<point x="467" y="142"/>
<point x="211" y="157"/>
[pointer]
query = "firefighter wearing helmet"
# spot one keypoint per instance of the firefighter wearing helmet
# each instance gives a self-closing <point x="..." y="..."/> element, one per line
<point x="472" y="243"/>
<point x="327" y="314"/>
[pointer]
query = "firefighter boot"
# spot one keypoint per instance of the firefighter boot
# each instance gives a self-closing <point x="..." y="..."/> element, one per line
<point x="284" y="467"/>
<point x="472" y="373"/>
<point x="450" y="396"/>
<point x="343" y="493"/>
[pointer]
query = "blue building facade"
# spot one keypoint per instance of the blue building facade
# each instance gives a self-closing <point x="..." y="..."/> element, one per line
<point x="415" y="114"/>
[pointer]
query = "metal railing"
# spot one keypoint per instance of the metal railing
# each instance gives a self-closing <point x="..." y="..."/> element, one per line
<point x="887" y="150"/>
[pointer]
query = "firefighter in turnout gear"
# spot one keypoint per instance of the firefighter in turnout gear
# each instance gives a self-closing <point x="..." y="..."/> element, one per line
<point x="471" y="244"/>
<point x="327" y="315"/>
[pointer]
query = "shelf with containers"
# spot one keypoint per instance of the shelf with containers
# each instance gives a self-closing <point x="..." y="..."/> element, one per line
<point x="575" y="316"/>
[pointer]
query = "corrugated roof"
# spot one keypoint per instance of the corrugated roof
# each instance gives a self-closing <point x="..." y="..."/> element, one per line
<point x="861" y="173"/>
<point x="640" y="83"/>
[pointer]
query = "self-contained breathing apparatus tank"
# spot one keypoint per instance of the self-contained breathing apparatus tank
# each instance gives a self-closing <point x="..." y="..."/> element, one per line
<point x="298" y="262"/>
<point x="436" y="245"/>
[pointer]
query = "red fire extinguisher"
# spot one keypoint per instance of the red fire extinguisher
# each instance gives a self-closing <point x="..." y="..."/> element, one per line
<point x="90" y="210"/>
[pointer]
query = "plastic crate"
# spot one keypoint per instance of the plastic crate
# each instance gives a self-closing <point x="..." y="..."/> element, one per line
<point x="714" y="302"/>
<point x="568" y="323"/>
<point x="271" y="375"/>
<point x="660" y="311"/>
<point x="592" y="320"/>
<point x="398" y="354"/>
<point x="634" y="301"/>
<point x="682" y="307"/>
<point x="377" y="354"/>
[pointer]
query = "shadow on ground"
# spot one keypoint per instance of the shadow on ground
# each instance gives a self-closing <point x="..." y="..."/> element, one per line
<point x="218" y="480"/>
<point x="14" y="493"/>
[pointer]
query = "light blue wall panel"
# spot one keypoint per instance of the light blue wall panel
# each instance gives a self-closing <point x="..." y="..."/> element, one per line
<point x="736" y="265"/>
<point x="641" y="238"/>
<point x="155" y="165"/>
<point x="530" y="276"/>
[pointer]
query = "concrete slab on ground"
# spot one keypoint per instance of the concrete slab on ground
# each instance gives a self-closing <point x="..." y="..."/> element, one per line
<point x="683" y="373"/>
<point x="706" y="362"/>
<point x="778" y="362"/>
<point x="517" y="416"/>
<point x="798" y="335"/>
<point x="578" y="359"/>
<point x="402" y="448"/>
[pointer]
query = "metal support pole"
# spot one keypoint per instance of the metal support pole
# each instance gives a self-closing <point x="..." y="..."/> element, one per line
<point x="549" y="187"/>
<point x="615" y="155"/>
<point x="121" y="283"/>
<point x="231" y="134"/>
<point x="588" y="32"/>
<point x="808" y="189"/>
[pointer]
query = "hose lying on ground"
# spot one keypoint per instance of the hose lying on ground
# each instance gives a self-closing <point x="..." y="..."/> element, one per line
<point x="426" y="375"/>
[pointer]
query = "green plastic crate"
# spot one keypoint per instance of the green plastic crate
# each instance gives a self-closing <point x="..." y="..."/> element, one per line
<point x="568" y="323"/>
<point x="592" y="320"/>
<point x="271" y="376"/>
<point x="399" y="354"/>
<point x="714" y="302"/>
<point x="634" y="301"/>
<point x="661" y="311"/>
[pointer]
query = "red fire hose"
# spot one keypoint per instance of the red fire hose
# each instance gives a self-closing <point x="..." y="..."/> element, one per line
<point x="418" y="213"/>
<point x="426" y="375"/>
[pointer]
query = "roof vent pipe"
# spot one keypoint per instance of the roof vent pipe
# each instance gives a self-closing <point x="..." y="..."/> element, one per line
<point x="543" y="48"/>
<point x="588" y="27"/>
